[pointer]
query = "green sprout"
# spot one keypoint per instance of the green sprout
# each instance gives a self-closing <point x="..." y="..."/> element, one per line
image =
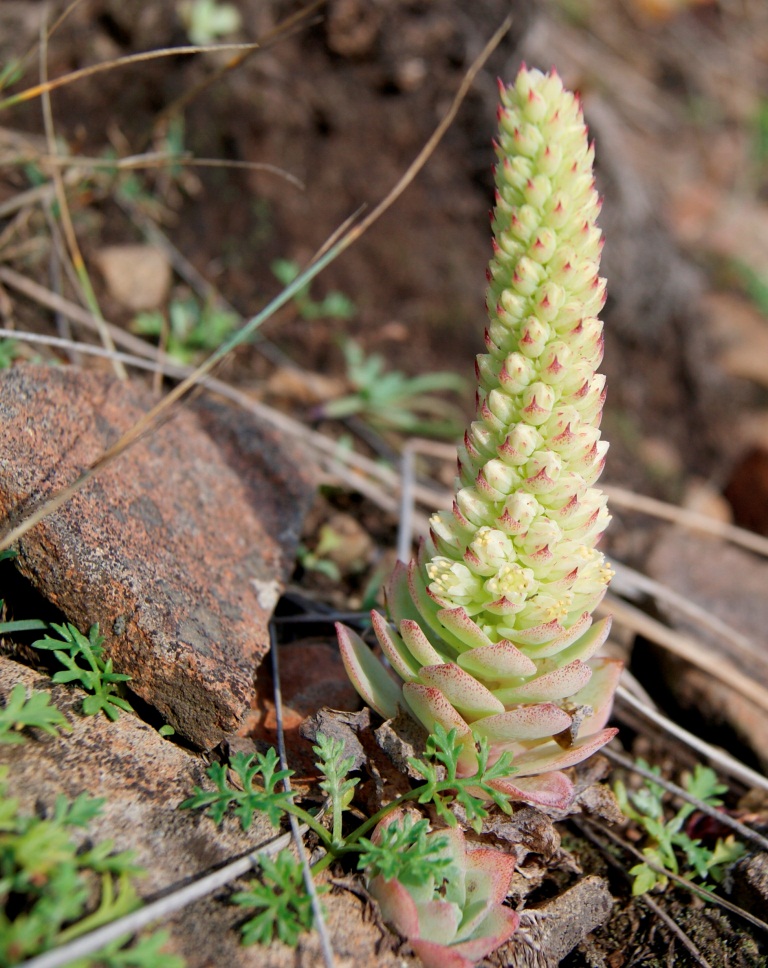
<point x="334" y="306"/>
<point x="281" y="898"/>
<point x="208" y="20"/>
<point x="192" y="328"/>
<point x="9" y="350"/>
<point x="669" y="846"/>
<point x="33" y="711"/>
<point x="50" y="880"/>
<point x="246" y="798"/>
<point x="84" y="662"/>
<point x="405" y="853"/>
<point x="394" y="401"/>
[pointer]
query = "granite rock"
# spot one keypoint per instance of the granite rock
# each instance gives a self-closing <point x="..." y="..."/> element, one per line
<point x="179" y="549"/>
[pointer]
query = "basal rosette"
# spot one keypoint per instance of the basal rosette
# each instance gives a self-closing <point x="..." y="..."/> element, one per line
<point x="491" y="625"/>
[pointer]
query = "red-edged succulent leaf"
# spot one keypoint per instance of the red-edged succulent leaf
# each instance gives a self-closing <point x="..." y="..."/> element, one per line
<point x="472" y="699"/>
<point x="468" y="632"/>
<point x="397" y="595"/>
<point x="496" y="867"/>
<point x="563" y="640"/>
<point x="397" y="906"/>
<point x="438" y="920"/>
<point x="434" y="955"/>
<point x="537" y="635"/>
<point x="588" y="644"/>
<point x="367" y="674"/>
<point x="418" y="644"/>
<point x="394" y="648"/>
<point x="498" y="927"/>
<point x="430" y="707"/>
<point x="545" y="790"/>
<point x="537" y="721"/>
<point x="550" y="756"/>
<point x="598" y="693"/>
<point x="557" y="684"/>
<point x="502" y="660"/>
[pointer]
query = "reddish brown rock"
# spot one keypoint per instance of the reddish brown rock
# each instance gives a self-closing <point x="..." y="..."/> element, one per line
<point x="178" y="550"/>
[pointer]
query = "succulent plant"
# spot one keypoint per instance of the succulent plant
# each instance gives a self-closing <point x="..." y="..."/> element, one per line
<point x="491" y="625"/>
<point x="453" y="917"/>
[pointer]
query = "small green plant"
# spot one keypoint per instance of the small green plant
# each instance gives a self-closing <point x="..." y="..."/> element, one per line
<point x="316" y="560"/>
<point x="334" y="306"/>
<point x="208" y="20"/>
<point x="669" y="845"/>
<point x="753" y="284"/>
<point x="9" y="350"/>
<point x="84" y="662"/>
<point x="404" y="852"/>
<point x="278" y="896"/>
<point x="246" y="798"/>
<point x="394" y="401"/>
<point x="192" y="327"/>
<point x="33" y="711"/>
<point x="47" y="883"/>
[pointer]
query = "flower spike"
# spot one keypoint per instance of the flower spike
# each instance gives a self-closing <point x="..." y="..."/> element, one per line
<point x="492" y="625"/>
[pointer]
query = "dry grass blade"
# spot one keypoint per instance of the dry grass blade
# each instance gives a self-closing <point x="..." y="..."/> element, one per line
<point x="676" y="930"/>
<point x="301" y="18"/>
<point x="38" y="90"/>
<point x="157" y="159"/>
<point x="724" y="762"/>
<point x="66" y="218"/>
<point x="628" y="581"/>
<point x="680" y="645"/>
<point x="651" y="904"/>
<point x="151" y="420"/>
<point x="688" y="519"/>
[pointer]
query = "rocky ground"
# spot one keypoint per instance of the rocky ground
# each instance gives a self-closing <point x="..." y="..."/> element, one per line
<point x="182" y="548"/>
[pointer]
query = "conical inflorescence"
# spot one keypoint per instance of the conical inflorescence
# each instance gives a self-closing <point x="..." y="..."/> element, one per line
<point x="491" y="626"/>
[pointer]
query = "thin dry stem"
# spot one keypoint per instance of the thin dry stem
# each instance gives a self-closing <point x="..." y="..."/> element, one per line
<point x="687" y="519"/>
<point x="678" y="644"/>
<point x="651" y="904"/>
<point x="682" y="881"/>
<point x="66" y="218"/>
<point x="724" y="762"/>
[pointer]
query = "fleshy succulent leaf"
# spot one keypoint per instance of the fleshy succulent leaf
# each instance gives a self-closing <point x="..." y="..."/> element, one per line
<point x="499" y="660"/>
<point x="394" y="648"/>
<point x="557" y="684"/>
<point x="470" y="697"/>
<point x="598" y="693"/>
<point x="367" y="674"/>
<point x="523" y="723"/>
